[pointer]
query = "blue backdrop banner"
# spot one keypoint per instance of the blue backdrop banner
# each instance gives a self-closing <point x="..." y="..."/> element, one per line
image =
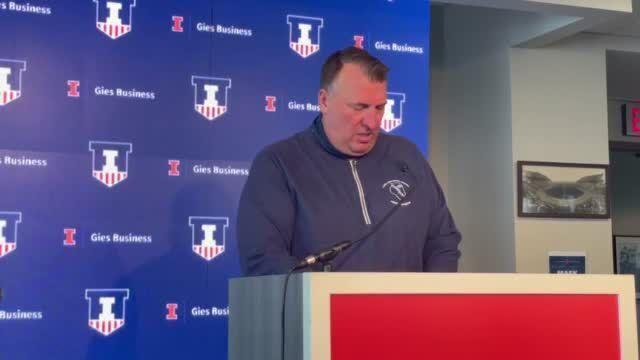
<point x="127" y="130"/>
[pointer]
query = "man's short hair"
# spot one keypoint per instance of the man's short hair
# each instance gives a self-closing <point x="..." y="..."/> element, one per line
<point x="374" y="68"/>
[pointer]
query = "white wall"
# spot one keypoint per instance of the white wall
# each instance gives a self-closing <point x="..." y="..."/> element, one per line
<point x="559" y="114"/>
<point x="472" y="155"/>
<point x="475" y="102"/>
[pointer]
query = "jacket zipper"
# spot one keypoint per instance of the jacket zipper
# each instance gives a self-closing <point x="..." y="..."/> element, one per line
<point x="363" y="202"/>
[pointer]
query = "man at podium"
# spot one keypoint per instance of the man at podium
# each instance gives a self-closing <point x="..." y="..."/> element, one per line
<point x="342" y="181"/>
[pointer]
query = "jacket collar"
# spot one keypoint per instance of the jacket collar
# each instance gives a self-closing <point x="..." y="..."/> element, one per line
<point x="317" y="129"/>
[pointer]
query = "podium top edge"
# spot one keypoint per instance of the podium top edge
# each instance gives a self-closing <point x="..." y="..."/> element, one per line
<point x="416" y="275"/>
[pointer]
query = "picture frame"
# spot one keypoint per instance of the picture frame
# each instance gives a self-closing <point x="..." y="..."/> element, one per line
<point x="563" y="190"/>
<point x="626" y="257"/>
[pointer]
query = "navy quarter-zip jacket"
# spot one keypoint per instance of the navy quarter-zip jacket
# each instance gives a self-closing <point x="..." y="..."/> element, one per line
<point x="302" y="196"/>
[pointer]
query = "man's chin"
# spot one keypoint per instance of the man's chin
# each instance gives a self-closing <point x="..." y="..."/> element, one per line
<point x="360" y="149"/>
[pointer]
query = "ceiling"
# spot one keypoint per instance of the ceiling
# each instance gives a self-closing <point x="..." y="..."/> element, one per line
<point x="565" y="18"/>
<point x="626" y="25"/>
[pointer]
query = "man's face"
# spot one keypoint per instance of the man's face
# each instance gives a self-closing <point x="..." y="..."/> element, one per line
<point x="352" y="110"/>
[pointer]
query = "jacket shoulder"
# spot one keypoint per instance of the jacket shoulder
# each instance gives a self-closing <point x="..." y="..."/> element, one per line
<point x="400" y="145"/>
<point x="281" y="148"/>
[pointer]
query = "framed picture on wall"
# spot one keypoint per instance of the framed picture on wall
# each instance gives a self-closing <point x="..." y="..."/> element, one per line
<point x="563" y="190"/>
<point x="626" y="257"/>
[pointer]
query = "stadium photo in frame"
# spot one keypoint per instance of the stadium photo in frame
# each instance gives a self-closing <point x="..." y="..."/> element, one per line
<point x="563" y="190"/>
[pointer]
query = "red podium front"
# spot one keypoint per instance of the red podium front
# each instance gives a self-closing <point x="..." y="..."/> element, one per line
<point x="475" y="326"/>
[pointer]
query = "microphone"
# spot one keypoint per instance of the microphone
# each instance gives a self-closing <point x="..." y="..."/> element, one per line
<point x="330" y="253"/>
<point x="324" y="256"/>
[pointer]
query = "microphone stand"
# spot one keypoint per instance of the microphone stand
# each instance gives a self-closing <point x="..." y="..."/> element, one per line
<point x="326" y="266"/>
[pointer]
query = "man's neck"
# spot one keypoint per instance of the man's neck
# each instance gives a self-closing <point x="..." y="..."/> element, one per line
<point x="318" y="130"/>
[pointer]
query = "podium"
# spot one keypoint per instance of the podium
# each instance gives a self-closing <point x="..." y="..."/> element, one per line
<point x="354" y="316"/>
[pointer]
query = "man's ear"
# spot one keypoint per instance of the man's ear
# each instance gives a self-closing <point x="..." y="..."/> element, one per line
<point x="323" y="96"/>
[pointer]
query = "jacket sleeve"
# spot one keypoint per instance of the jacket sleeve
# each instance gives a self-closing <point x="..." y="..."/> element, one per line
<point x="266" y="217"/>
<point x="441" y="249"/>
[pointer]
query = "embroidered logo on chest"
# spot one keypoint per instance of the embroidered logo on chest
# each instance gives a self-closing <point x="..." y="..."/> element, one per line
<point x="397" y="191"/>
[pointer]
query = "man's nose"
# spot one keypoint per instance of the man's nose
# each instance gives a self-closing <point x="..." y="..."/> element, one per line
<point x="372" y="119"/>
